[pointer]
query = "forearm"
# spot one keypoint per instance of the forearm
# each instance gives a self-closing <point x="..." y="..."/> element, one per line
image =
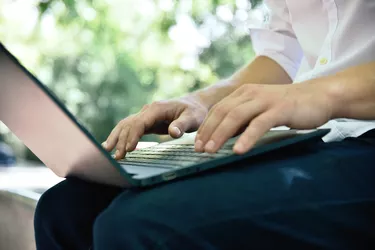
<point x="352" y="92"/>
<point x="262" y="70"/>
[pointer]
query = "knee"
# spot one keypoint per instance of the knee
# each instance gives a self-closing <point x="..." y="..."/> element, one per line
<point x="112" y="230"/>
<point x="47" y="209"/>
<point x="121" y="227"/>
<point x="46" y="205"/>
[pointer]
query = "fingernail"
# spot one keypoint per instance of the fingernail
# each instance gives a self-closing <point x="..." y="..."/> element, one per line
<point x="104" y="144"/>
<point x="238" y="147"/>
<point x="196" y="138"/>
<point x="176" y="131"/>
<point x="117" y="154"/>
<point x="210" y="146"/>
<point x="199" y="145"/>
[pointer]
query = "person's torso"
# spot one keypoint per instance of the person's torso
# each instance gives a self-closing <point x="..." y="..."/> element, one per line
<point x="334" y="34"/>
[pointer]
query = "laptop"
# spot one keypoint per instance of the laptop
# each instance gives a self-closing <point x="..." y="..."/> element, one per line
<point x="37" y="117"/>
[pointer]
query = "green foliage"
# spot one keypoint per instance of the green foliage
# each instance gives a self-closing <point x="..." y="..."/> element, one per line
<point x="105" y="59"/>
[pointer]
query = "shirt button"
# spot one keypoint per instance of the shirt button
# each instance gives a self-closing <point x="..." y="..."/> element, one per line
<point x="323" y="61"/>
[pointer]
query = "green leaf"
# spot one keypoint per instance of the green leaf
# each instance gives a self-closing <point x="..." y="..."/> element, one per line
<point x="43" y="6"/>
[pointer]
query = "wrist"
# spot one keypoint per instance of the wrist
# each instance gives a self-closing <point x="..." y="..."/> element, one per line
<point x="352" y="92"/>
<point x="333" y="93"/>
<point x="213" y="94"/>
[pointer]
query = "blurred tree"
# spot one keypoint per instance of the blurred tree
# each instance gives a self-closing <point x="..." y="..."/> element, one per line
<point x="105" y="59"/>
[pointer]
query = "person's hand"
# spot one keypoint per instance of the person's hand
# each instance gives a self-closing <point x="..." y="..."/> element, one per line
<point x="257" y="108"/>
<point x="172" y="116"/>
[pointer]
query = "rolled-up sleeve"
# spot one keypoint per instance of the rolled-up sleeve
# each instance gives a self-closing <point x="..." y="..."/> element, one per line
<point x="274" y="37"/>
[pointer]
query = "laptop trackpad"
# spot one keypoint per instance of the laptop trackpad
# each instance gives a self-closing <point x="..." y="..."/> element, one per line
<point x="140" y="172"/>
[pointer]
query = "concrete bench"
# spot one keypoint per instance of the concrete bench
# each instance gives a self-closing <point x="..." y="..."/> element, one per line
<point x="20" y="189"/>
<point x="16" y="221"/>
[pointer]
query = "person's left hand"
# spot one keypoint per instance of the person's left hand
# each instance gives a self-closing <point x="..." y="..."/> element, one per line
<point x="257" y="108"/>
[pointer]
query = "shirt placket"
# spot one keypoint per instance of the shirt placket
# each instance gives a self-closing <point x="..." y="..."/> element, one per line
<point x="325" y="55"/>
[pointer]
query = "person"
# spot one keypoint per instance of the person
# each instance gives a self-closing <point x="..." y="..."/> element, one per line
<point x="317" y="196"/>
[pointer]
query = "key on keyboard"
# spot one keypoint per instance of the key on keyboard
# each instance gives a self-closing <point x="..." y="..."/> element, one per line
<point x="171" y="156"/>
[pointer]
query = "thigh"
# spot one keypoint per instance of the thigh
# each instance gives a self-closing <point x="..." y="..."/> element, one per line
<point x="315" y="196"/>
<point x="66" y="213"/>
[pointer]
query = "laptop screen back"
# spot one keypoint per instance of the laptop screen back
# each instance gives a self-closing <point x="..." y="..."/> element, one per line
<point x="46" y="127"/>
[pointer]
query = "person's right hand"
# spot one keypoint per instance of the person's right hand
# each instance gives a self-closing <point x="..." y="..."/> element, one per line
<point x="174" y="116"/>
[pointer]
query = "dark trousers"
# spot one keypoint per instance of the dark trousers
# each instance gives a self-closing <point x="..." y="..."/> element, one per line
<point x="316" y="196"/>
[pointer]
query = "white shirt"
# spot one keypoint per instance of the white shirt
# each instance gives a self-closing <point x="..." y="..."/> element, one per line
<point x="313" y="38"/>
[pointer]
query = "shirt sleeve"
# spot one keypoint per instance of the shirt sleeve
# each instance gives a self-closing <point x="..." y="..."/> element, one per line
<point x="274" y="37"/>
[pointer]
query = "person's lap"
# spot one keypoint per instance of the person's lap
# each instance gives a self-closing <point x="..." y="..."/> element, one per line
<point x="316" y="196"/>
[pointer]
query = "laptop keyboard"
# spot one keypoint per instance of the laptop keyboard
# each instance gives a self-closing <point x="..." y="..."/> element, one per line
<point x="171" y="156"/>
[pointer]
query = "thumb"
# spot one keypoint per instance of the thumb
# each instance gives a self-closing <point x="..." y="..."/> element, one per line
<point x="185" y="122"/>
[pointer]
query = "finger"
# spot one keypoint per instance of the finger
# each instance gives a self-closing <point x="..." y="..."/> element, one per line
<point x="256" y="129"/>
<point x="187" y="121"/>
<point x="233" y="122"/>
<point x="112" y="139"/>
<point x="144" y="121"/>
<point x="224" y="104"/>
<point x="213" y="119"/>
<point x="121" y="144"/>
<point x="135" y="134"/>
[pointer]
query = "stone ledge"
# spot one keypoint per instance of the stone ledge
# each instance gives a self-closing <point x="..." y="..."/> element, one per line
<point x="20" y="188"/>
<point x="16" y="221"/>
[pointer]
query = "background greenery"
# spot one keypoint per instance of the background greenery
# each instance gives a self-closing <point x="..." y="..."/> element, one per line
<point x="106" y="58"/>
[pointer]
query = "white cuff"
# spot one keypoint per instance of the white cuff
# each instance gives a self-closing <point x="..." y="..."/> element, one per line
<point x="282" y="48"/>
